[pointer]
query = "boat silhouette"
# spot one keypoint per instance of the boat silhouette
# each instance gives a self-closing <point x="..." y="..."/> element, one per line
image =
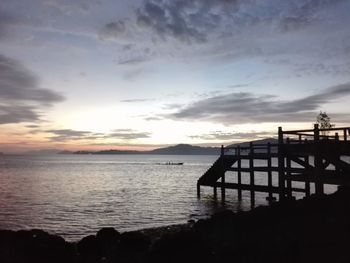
<point x="171" y="163"/>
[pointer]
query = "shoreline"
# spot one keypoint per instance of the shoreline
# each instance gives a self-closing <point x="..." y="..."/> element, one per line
<point x="306" y="230"/>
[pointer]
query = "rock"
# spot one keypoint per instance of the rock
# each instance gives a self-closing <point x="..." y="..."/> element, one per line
<point x="88" y="249"/>
<point x="135" y="241"/>
<point x="183" y="246"/>
<point x="107" y="235"/>
<point x="108" y="241"/>
<point x="34" y="246"/>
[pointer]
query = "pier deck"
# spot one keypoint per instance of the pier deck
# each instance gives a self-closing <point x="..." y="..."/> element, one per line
<point x="315" y="156"/>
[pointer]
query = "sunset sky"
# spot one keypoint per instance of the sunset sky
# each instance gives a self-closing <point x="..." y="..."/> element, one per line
<point x="143" y="74"/>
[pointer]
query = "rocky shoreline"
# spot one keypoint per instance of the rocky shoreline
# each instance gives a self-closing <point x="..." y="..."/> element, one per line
<point x="316" y="229"/>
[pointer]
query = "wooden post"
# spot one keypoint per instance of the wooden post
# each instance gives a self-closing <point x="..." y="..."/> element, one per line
<point x="280" y="164"/>
<point x="269" y="172"/>
<point x="239" y="175"/>
<point x="288" y="173"/>
<point x="345" y="135"/>
<point x="198" y="190"/>
<point x="318" y="160"/>
<point x="222" y="152"/>
<point x="223" y="194"/>
<point x="215" y="192"/>
<point x="307" y="183"/>
<point x="251" y="168"/>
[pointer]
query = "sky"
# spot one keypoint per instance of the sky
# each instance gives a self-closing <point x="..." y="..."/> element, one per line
<point x="142" y="74"/>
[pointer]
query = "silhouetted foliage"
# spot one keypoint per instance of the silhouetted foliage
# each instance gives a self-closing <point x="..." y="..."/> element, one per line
<point x="324" y="122"/>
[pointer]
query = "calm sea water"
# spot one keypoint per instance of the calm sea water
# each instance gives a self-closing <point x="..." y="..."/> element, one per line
<point x="76" y="195"/>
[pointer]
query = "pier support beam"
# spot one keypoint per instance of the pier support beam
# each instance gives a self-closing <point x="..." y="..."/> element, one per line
<point x="318" y="161"/>
<point x="239" y="174"/>
<point x="223" y="193"/>
<point x="269" y="172"/>
<point x="299" y="160"/>
<point x="307" y="183"/>
<point x="252" y="181"/>
<point x="198" y="190"/>
<point x="281" y="177"/>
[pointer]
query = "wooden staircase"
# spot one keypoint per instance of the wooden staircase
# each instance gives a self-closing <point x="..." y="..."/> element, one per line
<point x="216" y="171"/>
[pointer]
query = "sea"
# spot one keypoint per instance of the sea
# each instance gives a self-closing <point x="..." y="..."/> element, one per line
<point x="75" y="195"/>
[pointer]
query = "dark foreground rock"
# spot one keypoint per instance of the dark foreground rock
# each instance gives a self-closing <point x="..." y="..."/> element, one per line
<point x="316" y="229"/>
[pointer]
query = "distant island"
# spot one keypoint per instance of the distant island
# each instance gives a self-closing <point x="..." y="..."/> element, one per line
<point x="179" y="149"/>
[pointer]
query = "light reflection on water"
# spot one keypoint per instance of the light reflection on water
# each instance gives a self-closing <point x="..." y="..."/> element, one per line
<point x="76" y="195"/>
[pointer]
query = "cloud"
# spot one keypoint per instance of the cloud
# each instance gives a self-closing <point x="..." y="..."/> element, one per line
<point x="137" y="100"/>
<point x="182" y="20"/>
<point x="229" y="136"/>
<point x="63" y="135"/>
<point x="246" y="107"/>
<point x="128" y="134"/>
<point x="198" y="21"/>
<point x="6" y="20"/>
<point x="32" y="126"/>
<point x="17" y="113"/>
<point x="317" y="69"/>
<point x="153" y="118"/>
<point x="21" y="98"/>
<point x="132" y="60"/>
<point x="235" y="86"/>
<point x="112" y="30"/>
<point x="72" y="7"/>
<point x="221" y="30"/>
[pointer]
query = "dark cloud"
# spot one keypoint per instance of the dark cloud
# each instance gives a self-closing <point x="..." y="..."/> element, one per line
<point x="19" y="84"/>
<point x="112" y="30"/>
<point x="196" y="21"/>
<point x="128" y="134"/>
<point x="229" y="136"/>
<point x="21" y="98"/>
<point x="62" y="135"/>
<point x="225" y="31"/>
<point x="182" y="20"/>
<point x="17" y="113"/>
<point x="246" y="107"/>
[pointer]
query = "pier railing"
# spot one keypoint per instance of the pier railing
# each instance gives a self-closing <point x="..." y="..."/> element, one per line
<point x="315" y="134"/>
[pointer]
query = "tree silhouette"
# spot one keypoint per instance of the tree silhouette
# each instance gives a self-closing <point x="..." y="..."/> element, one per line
<point x="324" y="122"/>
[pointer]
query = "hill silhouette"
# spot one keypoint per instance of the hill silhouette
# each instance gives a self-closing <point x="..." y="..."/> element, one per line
<point x="179" y="149"/>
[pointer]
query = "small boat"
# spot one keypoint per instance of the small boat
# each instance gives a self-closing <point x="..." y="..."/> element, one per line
<point x="170" y="163"/>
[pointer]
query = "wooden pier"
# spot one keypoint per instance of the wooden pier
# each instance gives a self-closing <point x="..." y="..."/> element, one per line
<point x="314" y="157"/>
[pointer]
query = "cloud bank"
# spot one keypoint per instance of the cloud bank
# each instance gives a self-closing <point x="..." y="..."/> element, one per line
<point x="229" y="136"/>
<point x="64" y="135"/>
<point x="21" y="98"/>
<point x="245" y="107"/>
<point x="233" y="29"/>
